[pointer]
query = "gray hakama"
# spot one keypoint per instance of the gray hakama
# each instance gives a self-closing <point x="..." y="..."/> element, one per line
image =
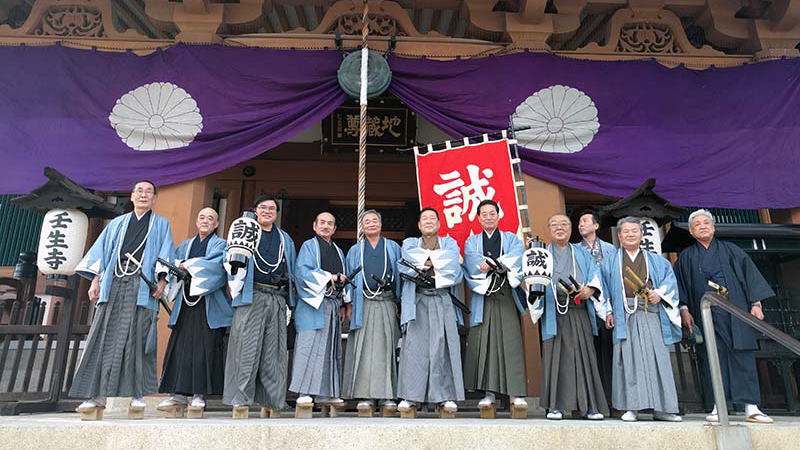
<point x="370" y="371"/>
<point x="430" y="357"/>
<point x="256" y="365"/>
<point x="494" y="356"/>
<point x="570" y="376"/>
<point x="316" y="368"/>
<point x="642" y="367"/>
<point x="114" y="363"/>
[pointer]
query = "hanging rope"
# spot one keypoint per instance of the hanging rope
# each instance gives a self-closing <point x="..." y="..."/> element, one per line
<point x="362" y="135"/>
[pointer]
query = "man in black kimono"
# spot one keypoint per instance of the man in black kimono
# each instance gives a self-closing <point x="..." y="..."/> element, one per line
<point x="727" y="265"/>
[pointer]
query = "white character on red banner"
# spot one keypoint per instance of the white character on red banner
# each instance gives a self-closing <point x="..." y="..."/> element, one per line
<point x="460" y="199"/>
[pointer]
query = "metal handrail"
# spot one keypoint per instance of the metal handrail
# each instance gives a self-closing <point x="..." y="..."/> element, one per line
<point x="714" y="299"/>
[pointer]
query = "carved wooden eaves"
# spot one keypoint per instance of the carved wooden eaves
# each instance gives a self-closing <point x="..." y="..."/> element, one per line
<point x="649" y="32"/>
<point x="70" y="19"/>
<point x="199" y="20"/>
<point x="531" y="27"/>
<point x="385" y="18"/>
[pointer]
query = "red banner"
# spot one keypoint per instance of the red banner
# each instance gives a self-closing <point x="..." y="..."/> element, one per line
<point x="454" y="182"/>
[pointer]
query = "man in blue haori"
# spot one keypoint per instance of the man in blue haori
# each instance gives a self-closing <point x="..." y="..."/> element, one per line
<point x="570" y="376"/>
<point x="194" y="363"/>
<point x="120" y="355"/>
<point x="430" y="357"/>
<point x="256" y="366"/>
<point x="370" y="369"/>
<point x="644" y="299"/>
<point x="494" y="360"/>
<point x="317" y="363"/>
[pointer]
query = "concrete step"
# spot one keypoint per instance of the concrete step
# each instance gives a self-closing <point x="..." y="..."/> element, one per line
<point x="218" y="431"/>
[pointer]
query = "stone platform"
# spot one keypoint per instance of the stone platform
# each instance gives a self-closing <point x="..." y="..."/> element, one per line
<point x="218" y="431"/>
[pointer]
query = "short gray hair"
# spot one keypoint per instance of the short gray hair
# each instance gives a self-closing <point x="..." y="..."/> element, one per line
<point x="629" y="219"/>
<point x="372" y="211"/>
<point x="702" y="212"/>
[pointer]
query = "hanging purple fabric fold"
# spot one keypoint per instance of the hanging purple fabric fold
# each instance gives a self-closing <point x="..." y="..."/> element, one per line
<point x="109" y="119"/>
<point x="718" y="137"/>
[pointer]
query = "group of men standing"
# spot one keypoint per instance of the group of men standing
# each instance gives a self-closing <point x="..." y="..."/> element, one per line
<point x="133" y="266"/>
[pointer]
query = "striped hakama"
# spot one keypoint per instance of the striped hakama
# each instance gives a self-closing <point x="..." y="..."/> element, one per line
<point x="642" y="367"/>
<point x="430" y="357"/>
<point x="370" y="371"/>
<point x="317" y="363"/>
<point x="494" y="356"/>
<point x="114" y="363"/>
<point x="570" y="376"/>
<point x="257" y="360"/>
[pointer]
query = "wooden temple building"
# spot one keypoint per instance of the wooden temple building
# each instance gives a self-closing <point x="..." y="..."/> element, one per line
<point x="695" y="33"/>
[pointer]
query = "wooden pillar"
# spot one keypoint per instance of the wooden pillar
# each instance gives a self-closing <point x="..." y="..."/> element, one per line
<point x="179" y="203"/>
<point x="544" y="200"/>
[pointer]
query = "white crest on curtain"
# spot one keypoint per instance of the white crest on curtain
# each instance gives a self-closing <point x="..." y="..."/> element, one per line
<point x="156" y="116"/>
<point x="562" y="119"/>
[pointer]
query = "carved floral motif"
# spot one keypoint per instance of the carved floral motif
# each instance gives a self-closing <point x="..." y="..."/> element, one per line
<point x="379" y="25"/>
<point x="72" y="21"/>
<point x="643" y="37"/>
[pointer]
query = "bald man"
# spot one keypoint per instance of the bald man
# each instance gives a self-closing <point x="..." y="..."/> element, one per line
<point x="194" y="364"/>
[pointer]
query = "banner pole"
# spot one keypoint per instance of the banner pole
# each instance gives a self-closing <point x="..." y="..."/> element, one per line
<point x="362" y="135"/>
<point x="519" y="183"/>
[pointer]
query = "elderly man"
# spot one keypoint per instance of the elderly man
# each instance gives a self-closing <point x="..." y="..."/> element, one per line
<point x="588" y="224"/>
<point x="570" y="378"/>
<point x="644" y="299"/>
<point x="317" y="364"/>
<point x="729" y="266"/>
<point x="430" y="358"/>
<point x="370" y="370"/>
<point x="258" y="358"/>
<point x="120" y="358"/>
<point x="194" y="364"/>
<point x="494" y="356"/>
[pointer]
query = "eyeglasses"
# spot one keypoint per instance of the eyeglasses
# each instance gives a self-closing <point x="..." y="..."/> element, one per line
<point x="267" y="208"/>
<point x="556" y="226"/>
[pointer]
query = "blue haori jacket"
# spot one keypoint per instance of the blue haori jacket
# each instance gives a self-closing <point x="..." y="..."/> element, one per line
<point x="241" y="285"/>
<point x="479" y="281"/>
<point x="660" y="274"/>
<point x="354" y="260"/>
<point x="312" y="285"/>
<point x="209" y="279"/>
<point x="447" y="273"/>
<point x="592" y="277"/>
<point x="101" y="259"/>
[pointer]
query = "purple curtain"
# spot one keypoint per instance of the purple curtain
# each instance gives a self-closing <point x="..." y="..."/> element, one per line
<point x="718" y="137"/>
<point x="57" y="105"/>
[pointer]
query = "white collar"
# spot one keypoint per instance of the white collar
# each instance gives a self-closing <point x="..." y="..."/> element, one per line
<point x="138" y="217"/>
<point x="633" y="255"/>
<point x="489" y="235"/>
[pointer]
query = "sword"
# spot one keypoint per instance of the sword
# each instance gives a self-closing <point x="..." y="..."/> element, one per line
<point x="179" y="273"/>
<point x="640" y="288"/>
<point x="340" y="286"/>
<point x="496" y="266"/>
<point x="422" y="279"/>
<point x="148" y="282"/>
<point x="721" y="290"/>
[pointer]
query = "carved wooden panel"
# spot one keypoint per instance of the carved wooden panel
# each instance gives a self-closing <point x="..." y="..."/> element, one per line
<point x="648" y="32"/>
<point x="70" y="19"/>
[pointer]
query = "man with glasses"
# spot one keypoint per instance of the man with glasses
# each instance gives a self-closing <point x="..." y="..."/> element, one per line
<point x="120" y="355"/>
<point x="257" y="361"/>
<point x="570" y="377"/>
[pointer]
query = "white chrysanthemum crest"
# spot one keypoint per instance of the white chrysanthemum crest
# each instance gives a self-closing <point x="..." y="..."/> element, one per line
<point x="562" y="119"/>
<point x="156" y="116"/>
